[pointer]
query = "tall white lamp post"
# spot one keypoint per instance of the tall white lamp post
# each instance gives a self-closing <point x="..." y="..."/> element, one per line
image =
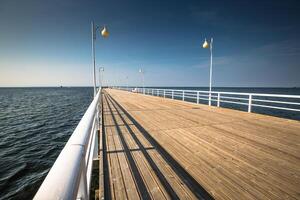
<point x="126" y="82"/>
<point x="101" y="74"/>
<point x="105" y="34"/>
<point x="141" y="71"/>
<point x="210" y="46"/>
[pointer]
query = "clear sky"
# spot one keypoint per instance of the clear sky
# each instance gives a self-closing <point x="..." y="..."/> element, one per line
<point x="48" y="42"/>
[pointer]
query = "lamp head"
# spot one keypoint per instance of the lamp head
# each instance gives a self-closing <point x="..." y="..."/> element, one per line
<point x="205" y="44"/>
<point x="104" y="32"/>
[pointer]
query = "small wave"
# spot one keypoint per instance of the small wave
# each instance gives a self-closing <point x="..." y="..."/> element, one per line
<point x="14" y="175"/>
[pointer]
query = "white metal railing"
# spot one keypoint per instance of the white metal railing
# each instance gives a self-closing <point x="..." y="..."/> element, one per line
<point x="270" y="101"/>
<point x="70" y="176"/>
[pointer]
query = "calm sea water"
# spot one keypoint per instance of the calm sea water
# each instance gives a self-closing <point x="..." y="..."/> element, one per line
<point x="35" y="124"/>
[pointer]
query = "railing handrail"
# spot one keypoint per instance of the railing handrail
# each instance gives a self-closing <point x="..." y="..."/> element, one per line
<point x="223" y="92"/>
<point x="222" y="96"/>
<point x="67" y="179"/>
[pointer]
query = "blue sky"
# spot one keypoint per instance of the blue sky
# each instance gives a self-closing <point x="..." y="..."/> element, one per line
<point x="48" y="43"/>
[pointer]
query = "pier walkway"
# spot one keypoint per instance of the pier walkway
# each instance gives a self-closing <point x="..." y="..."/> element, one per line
<point x="156" y="148"/>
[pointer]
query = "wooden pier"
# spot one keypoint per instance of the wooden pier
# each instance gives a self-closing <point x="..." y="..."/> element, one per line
<point x="157" y="148"/>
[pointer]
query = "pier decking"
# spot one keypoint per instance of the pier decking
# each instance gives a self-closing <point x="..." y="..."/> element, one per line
<point x="156" y="148"/>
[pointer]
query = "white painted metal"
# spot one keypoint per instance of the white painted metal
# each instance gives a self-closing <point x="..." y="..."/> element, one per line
<point x="243" y="98"/>
<point x="93" y="56"/>
<point x="210" y="71"/>
<point x="234" y="102"/>
<point x="250" y="102"/>
<point x="235" y="98"/>
<point x="69" y="177"/>
<point x="143" y="79"/>
<point x="234" y="93"/>
<point x="280" y="102"/>
<point x="101" y="74"/>
<point x="275" y="107"/>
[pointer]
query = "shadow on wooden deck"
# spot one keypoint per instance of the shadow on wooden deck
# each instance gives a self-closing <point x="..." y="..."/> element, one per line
<point x="116" y="109"/>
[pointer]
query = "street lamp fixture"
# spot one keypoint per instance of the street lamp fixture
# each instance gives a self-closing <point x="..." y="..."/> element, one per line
<point x="209" y="45"/>
<point x="104" y="32"/>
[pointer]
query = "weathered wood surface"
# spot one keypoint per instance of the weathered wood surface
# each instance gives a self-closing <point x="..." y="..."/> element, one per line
<point x="231" y="154"/>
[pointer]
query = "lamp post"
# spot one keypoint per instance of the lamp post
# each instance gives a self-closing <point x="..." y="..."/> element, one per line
<point x="126" y="82"/>
<point x="101" y="74"/>
<point x="141" y="71"/>
<point x="105" y="34"/>
<point x="210" y="46"/>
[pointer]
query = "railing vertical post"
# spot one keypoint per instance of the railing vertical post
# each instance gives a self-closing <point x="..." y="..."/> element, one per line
<point x="218" y="104"/>
<point x="172" y="94"/>
<point x="182" y="95"/>
<point x="197" y="97"/>
<point x="250" y="102"/>
<point x="164" y="93"/>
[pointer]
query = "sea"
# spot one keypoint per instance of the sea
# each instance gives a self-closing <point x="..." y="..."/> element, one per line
<point x="35" y="124"/>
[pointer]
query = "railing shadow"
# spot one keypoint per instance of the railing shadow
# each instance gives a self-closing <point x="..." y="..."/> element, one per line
<point x="155" y="168"/>
<point x="184" y="176"/>
<point x="137" y="176"/>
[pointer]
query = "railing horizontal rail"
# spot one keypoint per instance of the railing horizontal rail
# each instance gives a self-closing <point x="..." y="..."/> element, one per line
<point x="260" y="94"/>
<point x="281" y="102"/>
<point x="276" y="107"/>
<point x="238" y="98"/>
<point x="234" y="102"/>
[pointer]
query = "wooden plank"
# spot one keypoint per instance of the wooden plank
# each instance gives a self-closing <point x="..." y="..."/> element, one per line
<point x="129" y="183"/>
<point x="116" y="179"/>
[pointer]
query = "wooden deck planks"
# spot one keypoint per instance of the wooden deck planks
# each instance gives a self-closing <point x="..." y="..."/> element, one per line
<point x="136" y="169"/>
<point x="232" y="154"/>
<point x="178" y="186"/>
